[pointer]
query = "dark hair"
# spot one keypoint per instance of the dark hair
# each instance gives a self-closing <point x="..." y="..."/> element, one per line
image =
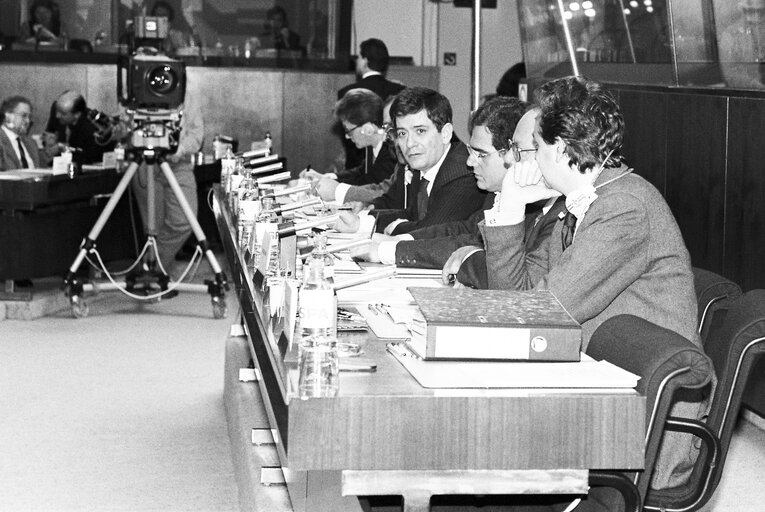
<point x="376" y="53"/>
<point x="508" y="84"/>
<point x="500" y="115"/>
<point x="79" y="104"/>
<point x="166" y="5"/>
<point x="414" y="99"/>
<point x="277" y="9"/>
<point x="55" y="20"/>
<point x="585" y="116"/>
<point x="359" y="106"/>
<point x="10" y="104"/>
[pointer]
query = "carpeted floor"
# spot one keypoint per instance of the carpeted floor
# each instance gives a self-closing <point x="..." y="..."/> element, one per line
<point x="119" y="411"/>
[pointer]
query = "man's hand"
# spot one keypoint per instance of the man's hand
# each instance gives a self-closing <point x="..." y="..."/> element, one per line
<point x="453" y="264"/>
<point x="523" y="184"/>
<point x="347" y="223"/>
<point x="368" y="252"/>
<point x="325" y="188"/>
<point x="310" y="174"/>
<point x="357" y="206"/>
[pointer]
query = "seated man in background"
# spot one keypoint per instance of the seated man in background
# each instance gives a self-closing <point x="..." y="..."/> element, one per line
<point x="361" y="114"/>
<point x="371" y="67"/>
<point x="618" y="250"/>
<point x="70" y="125"/>
<point x="17" y="149"/>
<point x="442" y="187"/>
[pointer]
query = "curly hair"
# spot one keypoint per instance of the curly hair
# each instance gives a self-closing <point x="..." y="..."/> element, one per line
<point x="499" y="115"/>
<point x="586" y="117"/>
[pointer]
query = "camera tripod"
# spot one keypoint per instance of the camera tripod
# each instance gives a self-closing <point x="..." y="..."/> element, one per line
<point x="146" y="278"/>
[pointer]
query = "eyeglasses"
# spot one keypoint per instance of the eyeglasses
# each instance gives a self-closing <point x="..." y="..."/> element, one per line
<point x="349" y="132"/>
<point x="517" y="152"/>
<point x="480" y="155"/>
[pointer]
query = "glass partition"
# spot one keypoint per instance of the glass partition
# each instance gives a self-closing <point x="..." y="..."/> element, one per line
<point x="292" y="33"/>
<point x="703" y="43"/>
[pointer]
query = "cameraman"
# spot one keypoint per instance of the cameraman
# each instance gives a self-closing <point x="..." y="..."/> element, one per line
<point x="71" y="123"/>
<point x="172" y="226"/>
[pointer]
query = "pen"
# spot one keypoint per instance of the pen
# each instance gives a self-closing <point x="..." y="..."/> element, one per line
<point x="373" y="309"/>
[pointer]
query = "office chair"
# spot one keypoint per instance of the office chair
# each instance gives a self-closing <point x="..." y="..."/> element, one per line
<point x="666" y="363"/>
<point x="734" y="347"/>
<point x="714" y="295"/>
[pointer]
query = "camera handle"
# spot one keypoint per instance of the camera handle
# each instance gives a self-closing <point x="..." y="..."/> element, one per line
<point x="74" y="288"/>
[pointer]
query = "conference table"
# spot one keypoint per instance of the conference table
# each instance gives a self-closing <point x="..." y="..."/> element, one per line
<point x="385" y="434"/>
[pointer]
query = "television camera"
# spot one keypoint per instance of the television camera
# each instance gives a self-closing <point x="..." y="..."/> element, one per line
<point x="151" y="86"/>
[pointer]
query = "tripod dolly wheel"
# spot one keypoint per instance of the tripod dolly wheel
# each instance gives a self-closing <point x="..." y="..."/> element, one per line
<point x="220" y="310"/>
<point x="80" y="308"/>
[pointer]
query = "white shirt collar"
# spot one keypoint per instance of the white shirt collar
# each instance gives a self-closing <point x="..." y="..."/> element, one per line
<point x="10" y="133"/>
<point x="370" y="73"/>
<point x="376" y="148"/>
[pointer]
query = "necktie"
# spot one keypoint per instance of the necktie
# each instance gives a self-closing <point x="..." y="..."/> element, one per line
<point x="567" y="234"/>
<point x="22" y="154"/>
<point x="422" y="198"/>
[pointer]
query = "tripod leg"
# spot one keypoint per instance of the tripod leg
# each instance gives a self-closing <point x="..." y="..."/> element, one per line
<point x="71" y="286"/>
<point x="218" y="289"/>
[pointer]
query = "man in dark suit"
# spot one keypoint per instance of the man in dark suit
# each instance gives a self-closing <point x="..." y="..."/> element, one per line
<point x="70" y="125"/>
<point x="360" y="112"/>
<point x="371" y="66"/>
<point x="17" y="150"/>
<point x="441" y="187"/>
<point x="501" y="129"/>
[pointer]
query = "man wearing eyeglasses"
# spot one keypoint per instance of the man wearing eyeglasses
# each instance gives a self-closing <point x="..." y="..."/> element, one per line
<point x="17" y="150"/>
<point x="361" y="114"/>
<point x="618" y="250"/>
<point x="457" y="246"/>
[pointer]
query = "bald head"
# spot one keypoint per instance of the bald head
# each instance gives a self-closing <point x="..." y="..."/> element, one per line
<point x="69" y="107"/>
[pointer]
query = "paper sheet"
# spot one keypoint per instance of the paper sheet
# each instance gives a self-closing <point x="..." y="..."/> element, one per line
<point x="586" y="373"/>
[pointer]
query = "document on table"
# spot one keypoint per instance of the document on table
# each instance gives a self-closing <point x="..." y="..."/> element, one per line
<point x="388" y="322"/>
<point x="585" y="374"/>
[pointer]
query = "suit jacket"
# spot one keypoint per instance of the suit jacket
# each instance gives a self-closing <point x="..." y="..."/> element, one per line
<point x="378" y="84"/>
<point x="395" y="198"/>
<point x="82" y="136"/>
<point x="453" y="196"/>
<point x="628" y="256"/>
<point x="8" y="158"/>
<point x="432" y="245"/>
<point x="537" y="229"/>
<point x="372" y="170"/>
<point x="367" y="193"/>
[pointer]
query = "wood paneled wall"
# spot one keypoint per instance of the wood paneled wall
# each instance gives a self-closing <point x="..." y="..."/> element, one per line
<point x="294" y="106"/>
<point x="704" y="151"/>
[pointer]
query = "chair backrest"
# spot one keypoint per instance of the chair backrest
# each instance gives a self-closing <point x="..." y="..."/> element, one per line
<point x="665" y="361"/>
<point x="714" y="294"/>
<point x="734" y="347"/>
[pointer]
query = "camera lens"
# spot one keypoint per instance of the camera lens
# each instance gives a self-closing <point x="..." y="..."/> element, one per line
<point x="162" y="80"/>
